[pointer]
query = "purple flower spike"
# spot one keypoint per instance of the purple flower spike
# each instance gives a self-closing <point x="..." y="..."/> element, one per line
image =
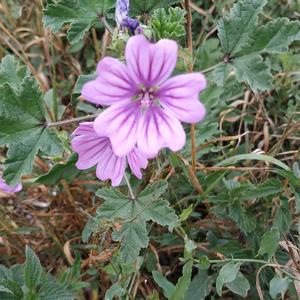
<point x="122" y="10"/>
<point x="9" y="189"/>
<point x="122" y="19"/>
<point x="145" y="106"/>
<point x="97" y="150"/>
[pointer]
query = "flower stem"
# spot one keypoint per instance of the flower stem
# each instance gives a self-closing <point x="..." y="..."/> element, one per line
<point x="74" y="120"/>
<point x="129" y="187"/>
<point x="190" y="66"/>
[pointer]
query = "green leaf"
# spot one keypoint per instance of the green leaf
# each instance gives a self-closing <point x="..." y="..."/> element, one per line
<point x="269" y="187"/>
<point x="228" y="273"/>
<point x="274" y="37"/>
<point x="243" y="41"/>
<point x="147" y="206"/>
<point x="269" y="242"/>
<point x="138" y="8"/>
<point x="5" y="273"/>
<point x="168" y="23"/>
<point x="200" y="286"/>
<point x="67" y="171"/>
<point x="236" y="27"/>
<point x="115" y="290"/>
<point x="80" y="14"/>
<point x="278" y="286"/>
<point x="32" y="269"/>
<point x="167" y="287"/>
<point x="82" y="79"/>
<point x="283" y="218"/>
<point x="221" y="73"/>
<point x="240" y="285"/>
<point x="51" y="289"/>
<point x="254" y="71"/>
<point x="12" y="72"/>
<point x="253" y="156"/>
<point x="133" y="237"/>
<point x="183" y="282"/>
<point x="12" y="287"/>
<point x="23" y="126"/>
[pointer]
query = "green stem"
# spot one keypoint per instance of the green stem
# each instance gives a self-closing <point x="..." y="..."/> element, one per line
<point x="74" y="120"/>
<point x="129" y="187"/>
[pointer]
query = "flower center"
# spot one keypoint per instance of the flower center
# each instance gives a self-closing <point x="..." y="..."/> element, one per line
<point x="146" y="97"/>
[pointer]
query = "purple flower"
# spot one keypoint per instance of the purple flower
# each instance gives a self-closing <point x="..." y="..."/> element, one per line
<point x="9" y="189"/>
<point x="145" y="106"/>
<point x="97" y="150"/>
<point x="122" y="10"/>
<point x="121" y="16"/>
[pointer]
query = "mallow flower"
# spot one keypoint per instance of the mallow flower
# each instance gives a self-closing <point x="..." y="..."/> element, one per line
<point x="121" y="16"/>
<point x="9" y="189"/>
<point x="146" y="108"/>
<point x="96" y="150"/>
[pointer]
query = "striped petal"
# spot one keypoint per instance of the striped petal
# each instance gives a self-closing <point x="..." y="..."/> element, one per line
<point x="137" y="161"/>
<point x="111" y="86"/>
<point x="150" y="64"/>
<point x="180" y="95"/>
<point x="159" y="129"/>
<point x="120" y="124"/>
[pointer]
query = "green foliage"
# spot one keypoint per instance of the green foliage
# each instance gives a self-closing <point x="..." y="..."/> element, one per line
<point x="278" y="286"/>
<point x="200" y="286"/>
<point x="139" y="8"/>
<point x="32" y="269"/>
<point x="168" y="23"/>
<point x="237" y="26"/>
<point x="243" y="42"/>
<point x="133" y="237"/>
<point x="269" y="242"/>
<point x="30" y="282"/>
<point x="80" y="14"/>
<point x="167" y="287"/>
<point x="133" y="214"/>
<point x="183" y="282"/>
<point x="228" y="274"/>
<point x="66" y="171"/>
<point x="23" y="123"/>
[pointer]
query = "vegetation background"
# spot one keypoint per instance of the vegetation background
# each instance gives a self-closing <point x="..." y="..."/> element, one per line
<point x="238" y="203"/>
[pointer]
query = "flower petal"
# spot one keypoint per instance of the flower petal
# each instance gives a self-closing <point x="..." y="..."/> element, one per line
<point x="137" y="161"/>
<point x="88" y="145"/>
<point x="96" y="150"/>
<point x="150" y="64"/>
<point x="9" y="189"/>
<point x="180" y="94"/>
<point x="120" y="124"/>
<point x="111" y="86"/>
<point x="111" y="167"/>
<point x="159" y="129"/>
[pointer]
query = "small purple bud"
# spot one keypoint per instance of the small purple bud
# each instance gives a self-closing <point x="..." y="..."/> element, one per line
<point x="122" y="10"/>
<point x="131" y="24"/>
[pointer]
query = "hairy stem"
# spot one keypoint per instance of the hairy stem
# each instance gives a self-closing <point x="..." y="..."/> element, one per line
<point x="74" y="120"/>
<point x="129" y="187"/>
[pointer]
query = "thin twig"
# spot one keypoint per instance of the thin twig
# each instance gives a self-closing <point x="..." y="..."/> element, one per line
<point x="190" y="66"/>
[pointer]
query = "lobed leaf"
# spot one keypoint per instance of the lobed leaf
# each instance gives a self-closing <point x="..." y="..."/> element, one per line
<point x="80" y="14"/>
<point x="236" y="27"/>
<point x="133" y="237"/>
